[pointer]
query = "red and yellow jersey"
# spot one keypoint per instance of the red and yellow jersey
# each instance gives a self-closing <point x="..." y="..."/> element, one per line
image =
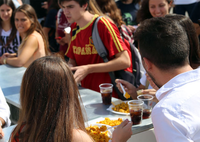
<point x="82" y="49"/>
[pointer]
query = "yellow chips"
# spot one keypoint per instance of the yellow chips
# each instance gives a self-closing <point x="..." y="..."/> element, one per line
<point x="96" y="133"/>
<point x="122" y="107"/>
<point x="127" y="96"/>
<point x="107" y="121"/>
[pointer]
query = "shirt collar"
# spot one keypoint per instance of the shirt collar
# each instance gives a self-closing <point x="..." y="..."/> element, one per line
<point x="178" y="80"/>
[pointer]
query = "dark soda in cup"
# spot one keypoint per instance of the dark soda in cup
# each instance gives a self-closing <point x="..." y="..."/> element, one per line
<point x="146" y="113"/>
<point x="136" y="111"/>
<point x="106" y="97"/>
<point x="136" y="116"/>
<point x="106" y="92"/>
<point x="147" y="107"/>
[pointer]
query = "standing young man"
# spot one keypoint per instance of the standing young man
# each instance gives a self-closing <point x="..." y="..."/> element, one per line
<point x="89" y="67"/>
<point x="164" y="48"/>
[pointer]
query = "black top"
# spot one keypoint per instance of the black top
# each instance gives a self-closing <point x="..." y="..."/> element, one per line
<point x="129" y="12"/>
<point x="37" y="5"/>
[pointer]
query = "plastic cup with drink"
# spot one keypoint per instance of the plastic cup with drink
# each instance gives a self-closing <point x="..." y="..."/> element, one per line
<point x="106" y="90"/>
<point x="136" y="111"/>
<point x="147" y="106"/>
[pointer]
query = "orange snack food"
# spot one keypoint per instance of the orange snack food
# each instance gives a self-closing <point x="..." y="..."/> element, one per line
<point x="96" y="133"/>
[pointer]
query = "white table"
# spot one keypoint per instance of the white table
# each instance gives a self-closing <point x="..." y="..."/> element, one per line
<point x="10" y="81"/>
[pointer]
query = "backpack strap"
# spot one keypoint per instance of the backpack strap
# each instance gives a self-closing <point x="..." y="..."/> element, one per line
<point x="99" y="46"/>
<point x="136" y="64"/>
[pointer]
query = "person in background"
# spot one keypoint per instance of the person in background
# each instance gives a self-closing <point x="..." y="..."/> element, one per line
<point x="49" y="27"/>
<point x="153" y="8"/>
<point x="183" y="6"/>
<point x="40" y="11"/>
<point x="48" y="85"/>
<point x="62" y="38"/>
<point x="9" y="36"/>
<point x="34" y="44"/>
<point x="4" y="114"/>
<point x="195" y="17"/>
<point x="89" y="67"/>
<point x="109" y="8"/>
<point x="129" y="9"/>
<point x="17" y="3"/>
<point x="175" y="116"/>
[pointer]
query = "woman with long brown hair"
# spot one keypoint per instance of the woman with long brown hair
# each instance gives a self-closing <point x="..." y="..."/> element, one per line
<point x="34" y="44"/>
<point x="51" y="106"/>
<point x="9" y="37"/>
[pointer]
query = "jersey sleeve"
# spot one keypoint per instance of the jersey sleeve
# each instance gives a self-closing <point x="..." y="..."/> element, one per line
<point x="110" y="37"/>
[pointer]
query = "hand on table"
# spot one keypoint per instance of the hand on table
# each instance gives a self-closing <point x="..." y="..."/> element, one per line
<point x="8" y="55"/>
<point x="129" y="88"/>
<point x="123" y="132"/>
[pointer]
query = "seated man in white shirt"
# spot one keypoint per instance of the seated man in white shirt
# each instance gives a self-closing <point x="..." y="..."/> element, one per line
<point x="164" y="49"/>
<point x="4" y="113"/>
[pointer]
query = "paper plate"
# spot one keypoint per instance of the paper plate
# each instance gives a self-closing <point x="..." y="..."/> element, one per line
<point x="117" y="112"/>
<point x="99" y="125"/>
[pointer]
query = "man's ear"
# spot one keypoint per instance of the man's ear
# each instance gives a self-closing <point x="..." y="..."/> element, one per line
<point x="85" y="6"/>
<point x="147" y="64"/>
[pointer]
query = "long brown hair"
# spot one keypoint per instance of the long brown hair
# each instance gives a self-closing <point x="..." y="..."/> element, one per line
<point x="109" y="6"/>
<point x="35" y="26"/>
<point x="144" y="13"/>
<point x="186" y="23"/>
<point x="50" y="107"/>
<point x="13" y="31"/>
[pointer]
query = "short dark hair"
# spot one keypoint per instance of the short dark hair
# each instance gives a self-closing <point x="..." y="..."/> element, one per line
<point x="164" y="42"/>
<point x="81" y="2"/>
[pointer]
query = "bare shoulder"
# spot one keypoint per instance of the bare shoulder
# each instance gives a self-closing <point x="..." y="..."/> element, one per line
<point x="80" y="136"/>
<point x="33" y="38"/>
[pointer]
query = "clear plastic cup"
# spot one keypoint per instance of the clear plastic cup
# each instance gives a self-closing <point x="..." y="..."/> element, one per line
<point x="136" y="111"/>
<point x="147" y="106"/>
<point x="106" y="90"/>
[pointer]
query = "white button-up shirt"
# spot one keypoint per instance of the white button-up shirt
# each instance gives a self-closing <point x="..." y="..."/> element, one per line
<point x="176" y="117"/>
<point x="4" y="109"/>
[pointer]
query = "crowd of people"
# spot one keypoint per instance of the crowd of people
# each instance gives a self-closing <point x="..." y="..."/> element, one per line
<point x="57" y="61"/>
